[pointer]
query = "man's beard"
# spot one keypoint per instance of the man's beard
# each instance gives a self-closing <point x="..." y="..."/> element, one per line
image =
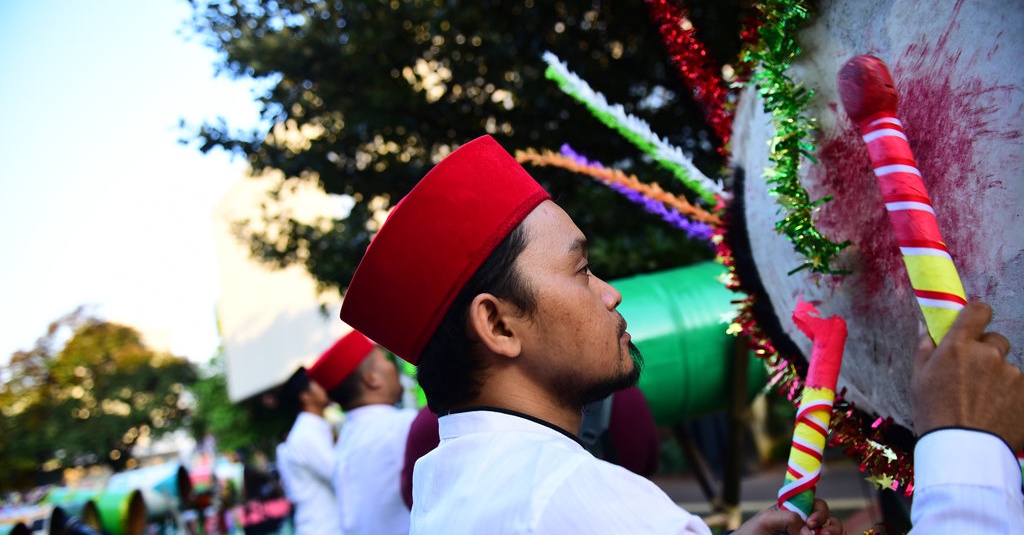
<point x="575" y="393"/>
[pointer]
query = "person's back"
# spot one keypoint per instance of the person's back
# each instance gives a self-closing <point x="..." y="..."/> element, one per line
<point x="368" y="457"/>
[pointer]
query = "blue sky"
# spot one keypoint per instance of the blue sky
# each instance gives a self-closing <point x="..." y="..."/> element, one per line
<point x="99" y="204"/>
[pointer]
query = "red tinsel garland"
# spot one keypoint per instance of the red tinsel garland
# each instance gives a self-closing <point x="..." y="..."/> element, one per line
<point x="696" y="67"/>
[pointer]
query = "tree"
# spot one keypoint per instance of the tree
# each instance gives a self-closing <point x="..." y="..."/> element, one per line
<point x="246" y="426"/>
<point x="88" y="402"/>
<point x="365" y="96"/>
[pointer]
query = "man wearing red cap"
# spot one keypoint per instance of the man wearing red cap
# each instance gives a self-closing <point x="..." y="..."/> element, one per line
<point x="484" y="283"/>
<point x="363" y="380"/>
<point x="305" y="459"/>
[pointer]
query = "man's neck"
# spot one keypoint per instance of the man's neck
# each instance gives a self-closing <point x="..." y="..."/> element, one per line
<point x="510" y="387"/>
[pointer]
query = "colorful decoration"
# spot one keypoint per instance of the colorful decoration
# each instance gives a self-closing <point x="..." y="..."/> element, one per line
<point x="869" y="97"/>
<point x="696" y="68"/>
<point x="651" y="197"/>
<point x="859" y="435"/>
<point x="635" y="130"/>
<point x="889" y="466"/>
<point x="783" y="375"/>
<point x="770" y="46"/>
<point x="787" y="102"/>
<point x="815" y="412"/>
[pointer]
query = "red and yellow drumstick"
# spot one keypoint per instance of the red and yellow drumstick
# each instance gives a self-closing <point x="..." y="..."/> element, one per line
<point x="869" y="97"/>
<point x="815" y="412"/>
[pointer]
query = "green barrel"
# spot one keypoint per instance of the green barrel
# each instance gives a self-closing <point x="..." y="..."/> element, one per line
<point x="678" y="320"/>
<point x="122" y="512"/>
<point x="79" y="502"/>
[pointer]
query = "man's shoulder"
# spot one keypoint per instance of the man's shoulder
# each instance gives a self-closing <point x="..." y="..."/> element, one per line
<point x="385" y="427"/>
<point x="590" y="469"/>
<point x="395" y="425"/>
<point x="596" y="496"/>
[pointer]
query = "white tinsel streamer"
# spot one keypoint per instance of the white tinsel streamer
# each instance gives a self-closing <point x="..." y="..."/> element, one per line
<point x="639" y="132"/>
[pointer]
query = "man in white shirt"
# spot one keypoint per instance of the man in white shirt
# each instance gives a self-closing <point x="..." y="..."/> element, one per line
<point x="484" y="283"/>
<point x="968" y="406"/>
<point x="305" y="458"/>
<point x="363" y="380"/>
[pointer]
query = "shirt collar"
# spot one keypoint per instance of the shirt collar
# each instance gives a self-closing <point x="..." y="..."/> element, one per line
<point x="483" y="418"/>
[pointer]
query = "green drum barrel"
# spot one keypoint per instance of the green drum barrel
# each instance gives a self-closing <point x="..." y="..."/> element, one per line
<point x="122" y="512"/>
<point x="678" y="320"/>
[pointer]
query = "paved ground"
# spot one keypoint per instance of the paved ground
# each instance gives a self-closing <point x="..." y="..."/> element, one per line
<point x="842" y="485"/>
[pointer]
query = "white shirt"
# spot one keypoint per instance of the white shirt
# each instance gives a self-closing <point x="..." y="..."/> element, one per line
<point x="369" y="457"/>
<point x="304" y="460"/>
<point x="502" y="473"/>
<point x="966" y="482"/>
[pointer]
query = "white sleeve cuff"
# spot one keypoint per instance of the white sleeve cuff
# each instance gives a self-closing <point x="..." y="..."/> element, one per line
<point x="965" y="457"/>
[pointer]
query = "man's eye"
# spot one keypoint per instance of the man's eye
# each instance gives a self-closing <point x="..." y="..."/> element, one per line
<point x="585" y="269"/>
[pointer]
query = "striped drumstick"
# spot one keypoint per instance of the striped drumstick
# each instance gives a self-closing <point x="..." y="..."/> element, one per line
<point x="810" y="431"/>
<point x="869" y="97"/>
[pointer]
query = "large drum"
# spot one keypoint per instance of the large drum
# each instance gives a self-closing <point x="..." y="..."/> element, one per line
<point x="957" y="68"/>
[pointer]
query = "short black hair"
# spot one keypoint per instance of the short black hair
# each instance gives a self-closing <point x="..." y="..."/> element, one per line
<point x="448" y="369"/>
<point x="288" y="395"/>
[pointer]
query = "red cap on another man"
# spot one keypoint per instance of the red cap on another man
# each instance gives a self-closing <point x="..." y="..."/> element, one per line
<point x="340" y="360"/>
<point x="434" y="241"/>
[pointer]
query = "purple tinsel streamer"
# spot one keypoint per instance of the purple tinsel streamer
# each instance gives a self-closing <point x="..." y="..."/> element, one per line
<point x="695" y="230"/>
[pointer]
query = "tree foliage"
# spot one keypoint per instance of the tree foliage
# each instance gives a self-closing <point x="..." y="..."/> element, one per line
<point x="246" y="426"/>
<point x="365" y="96"/>
<point x="87" y="402"/>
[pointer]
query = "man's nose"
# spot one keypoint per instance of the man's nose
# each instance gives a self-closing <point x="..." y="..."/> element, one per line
<point x="609" y="295"/>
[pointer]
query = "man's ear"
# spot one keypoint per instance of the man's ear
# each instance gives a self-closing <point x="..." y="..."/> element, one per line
<point x="368" y="376"/>
<point x="489" y="321"/>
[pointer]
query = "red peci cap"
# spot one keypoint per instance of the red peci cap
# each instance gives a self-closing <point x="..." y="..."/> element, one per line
<point x="340" y="360"/>
<point x="433" y="242"/>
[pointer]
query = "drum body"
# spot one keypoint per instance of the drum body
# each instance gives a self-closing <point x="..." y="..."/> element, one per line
<point x="958" y="72"/>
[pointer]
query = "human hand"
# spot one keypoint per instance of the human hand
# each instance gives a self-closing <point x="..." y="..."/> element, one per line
<point x="967" y="382"/>
<point x="774" y="520"/>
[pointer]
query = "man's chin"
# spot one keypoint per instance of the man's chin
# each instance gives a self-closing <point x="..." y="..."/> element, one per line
<point x="580" y="395"/>
<point x="612" y="385"/>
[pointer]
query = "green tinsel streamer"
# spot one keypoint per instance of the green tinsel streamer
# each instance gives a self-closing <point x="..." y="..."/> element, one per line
<point x="787" y="102"/>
